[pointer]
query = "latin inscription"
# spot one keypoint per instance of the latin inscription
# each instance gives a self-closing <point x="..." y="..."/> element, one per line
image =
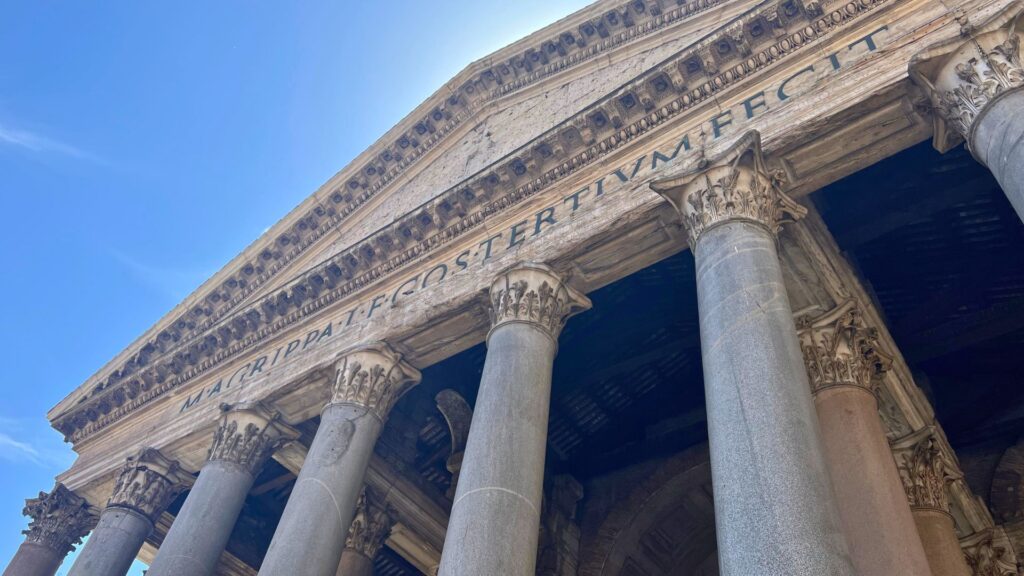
<point x="535" y="226"/>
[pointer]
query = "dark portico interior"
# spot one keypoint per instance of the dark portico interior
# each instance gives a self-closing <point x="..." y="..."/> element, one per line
<point x="935" y="242"/>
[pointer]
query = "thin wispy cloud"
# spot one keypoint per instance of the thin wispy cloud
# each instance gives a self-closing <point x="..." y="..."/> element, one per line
<point x="173" y="283"/>
<point x="29" y="442"/>
<point x="35" y="142"/>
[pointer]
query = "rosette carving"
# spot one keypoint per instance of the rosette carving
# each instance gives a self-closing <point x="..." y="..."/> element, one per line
<point x="370" y="526"/>
<point x="59" y="519"/>
<point x="248" y="434"/>
<point x="925" y="470"/>
<point x="962" y="77"/>
<point x="839" y="349"/>
<point x="373" y="376"/>
<point x="733" y="185"/>
<point x="534" y="294"/>
<point x="148" y="483"/>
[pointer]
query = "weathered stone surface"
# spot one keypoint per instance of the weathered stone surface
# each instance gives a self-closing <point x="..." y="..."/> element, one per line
<point x="113" y="544"/>
<point x="311" y="534"/>
<point x="498" y="498"/>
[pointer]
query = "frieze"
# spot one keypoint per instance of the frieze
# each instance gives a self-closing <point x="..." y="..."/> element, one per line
<point x="616" y="27"/>
<point x="646" y="103"/>
<point x="60" y="519"/>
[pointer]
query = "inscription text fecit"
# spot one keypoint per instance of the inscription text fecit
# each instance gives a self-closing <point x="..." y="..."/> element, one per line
<point x="724" y="123"/>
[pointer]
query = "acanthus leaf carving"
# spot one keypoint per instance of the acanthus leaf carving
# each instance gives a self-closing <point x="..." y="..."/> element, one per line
<point x="963" y="78"/>
<point x="248" y="434"/>
<point x="839" y="349"/>
<point x="986" y="557"/>
<point x="534" y="294"/>
<point x="734" y="185"/>
<point x="370" y="526"/>
<point x="147" y="483"/>
<point x="373" y="376"/>
<point x="925" y="470"/>
<point x="59" y="519"/>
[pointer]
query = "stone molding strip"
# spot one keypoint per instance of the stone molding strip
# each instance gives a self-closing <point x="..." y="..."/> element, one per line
<point x="724" y="58"/>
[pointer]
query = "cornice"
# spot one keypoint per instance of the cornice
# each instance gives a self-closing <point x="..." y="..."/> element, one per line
<point x="581" y="37"/>
<point x="739" y="49"/>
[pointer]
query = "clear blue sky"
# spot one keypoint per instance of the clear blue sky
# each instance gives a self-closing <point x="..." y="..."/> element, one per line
<point x="144" y="144"/>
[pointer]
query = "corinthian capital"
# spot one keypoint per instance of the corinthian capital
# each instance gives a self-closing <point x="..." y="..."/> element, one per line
<point x="59" y="519"/>
<point x="963" y="76"/>
<point x="734" y="185"/>
<point x="373" y="376"/>
<point x="148" y="483"/>
<point x="925" y="469"/>
<point x="989" y="553"/>
<point x="370" y="526"/>
<point x="841" y="350"/>
<point x="534" y="294"/>
<point x="248" y="434"/>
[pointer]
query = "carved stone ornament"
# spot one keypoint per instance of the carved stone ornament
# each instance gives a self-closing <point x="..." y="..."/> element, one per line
<point x="534" y="294"/>
<point x="963" y="76"/>
<point x="148" y="483"/>
<point x="373" y="376"/>
<point x="731" y="186"/>
<point x="924" y="470"/>
<point x="458" y="415"/>
<point x="370" y="526"/>
<point x="248" y="434"/>
<point x="59" y="519"/>
<point x="840" y="350"/>
<point x="986" y="557"/>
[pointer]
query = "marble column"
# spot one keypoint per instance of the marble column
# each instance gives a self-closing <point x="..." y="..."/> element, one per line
<point x="247" y="435"/>
<point x="495" y="518"/>
<point x="775" y="509"/>
<point x="977" y="90"/>
<point x="925" y="472"/>
<point x="147" y="484"/>
<point x="844" y="364"/>
<point x="311" y="534"/>
<point x="59" y="521"/>
<point x="369" y="530"/>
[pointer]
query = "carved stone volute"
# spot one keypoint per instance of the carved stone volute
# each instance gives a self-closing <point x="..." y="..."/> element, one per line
<point x="839" y="349"/>
<point x="734" y="185"/>
<point x="924" y="470"/>
<point x="248" y="434"/>
<point x="59" y="519"/>
<point x="986" y="557"/>
<point x="963" y="76"/>
<point x="370" y="526"/>
<point x="534" y="294"/>
<point x="373" y="376"/>
<point x="148" y="483"/>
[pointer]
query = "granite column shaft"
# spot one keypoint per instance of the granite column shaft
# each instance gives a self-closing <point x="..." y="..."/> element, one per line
<point x="245" y="438"/>
<point x="495" y="518"/>
<point x="59" y="520"/>
<point x="310" y="536"/>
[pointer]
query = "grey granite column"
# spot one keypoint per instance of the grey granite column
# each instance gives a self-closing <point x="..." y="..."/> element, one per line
<point x="147" y="483"/>
<point x="369" y="530"/>
<point x="926" y="472"/>
<point x="59" y="521"/>
<point x="775" y="509"/>
<point x="311" y="534"/>
<point x="248" y="433"/>
<point x="977" y="90"/>
<point x="845" y="364"/>
<point x="495" y="518"/>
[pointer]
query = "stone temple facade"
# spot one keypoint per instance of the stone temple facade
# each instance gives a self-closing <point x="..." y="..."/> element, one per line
<point x="669" y="287"/>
